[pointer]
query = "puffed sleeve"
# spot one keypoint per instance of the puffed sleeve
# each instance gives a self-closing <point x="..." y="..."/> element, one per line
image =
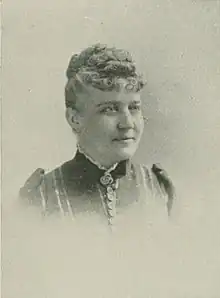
<point x="33" y="191"/>
<point x="166" y="185"/>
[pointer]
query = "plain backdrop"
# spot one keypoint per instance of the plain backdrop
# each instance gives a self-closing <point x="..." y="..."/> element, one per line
<point x="176" y="45"/>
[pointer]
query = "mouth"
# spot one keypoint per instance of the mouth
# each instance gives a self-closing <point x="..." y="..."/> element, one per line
<point x="124" y="139"/>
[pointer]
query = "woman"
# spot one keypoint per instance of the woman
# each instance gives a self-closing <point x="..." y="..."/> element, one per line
<point x="103" y="108"/>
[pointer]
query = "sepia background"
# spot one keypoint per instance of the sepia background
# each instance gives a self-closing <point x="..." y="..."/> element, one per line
<point x="177" y="46"/>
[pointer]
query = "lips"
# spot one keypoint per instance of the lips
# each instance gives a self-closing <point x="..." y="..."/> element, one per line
<point x="124" y="139"/>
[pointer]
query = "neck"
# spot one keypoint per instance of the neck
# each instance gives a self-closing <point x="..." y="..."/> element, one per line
<point x="100" y="164"/>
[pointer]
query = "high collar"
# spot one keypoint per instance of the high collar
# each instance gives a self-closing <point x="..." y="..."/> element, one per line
<point x="80" y="168"/>
<point x="110" y="169"/>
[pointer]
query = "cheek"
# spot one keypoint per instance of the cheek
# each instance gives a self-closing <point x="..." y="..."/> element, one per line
<point x="100" y="126"/>
<point x="139" y="123"/>
<point x="108" y="123"/>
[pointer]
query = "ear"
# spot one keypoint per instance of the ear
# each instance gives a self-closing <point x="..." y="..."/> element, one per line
<point x="74" y="119"/>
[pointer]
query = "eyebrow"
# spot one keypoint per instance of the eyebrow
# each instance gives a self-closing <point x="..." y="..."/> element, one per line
<point x="116" y="102"/>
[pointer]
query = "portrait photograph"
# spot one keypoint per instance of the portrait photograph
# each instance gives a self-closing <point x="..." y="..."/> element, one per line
<point x="110" y="121"/>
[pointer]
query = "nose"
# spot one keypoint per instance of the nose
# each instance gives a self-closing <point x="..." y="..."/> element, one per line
<point x="126" y="120"/>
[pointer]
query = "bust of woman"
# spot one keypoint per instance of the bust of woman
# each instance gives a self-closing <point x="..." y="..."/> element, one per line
<point x="103" y="109"/>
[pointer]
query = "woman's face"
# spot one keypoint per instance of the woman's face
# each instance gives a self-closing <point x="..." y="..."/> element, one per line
<point x="111" y="125"/>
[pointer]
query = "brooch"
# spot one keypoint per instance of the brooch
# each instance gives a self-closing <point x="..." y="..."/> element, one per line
<point x="106" y="179"/>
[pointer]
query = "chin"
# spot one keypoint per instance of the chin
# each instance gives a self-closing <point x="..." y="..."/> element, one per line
<point x="126" y="153"/>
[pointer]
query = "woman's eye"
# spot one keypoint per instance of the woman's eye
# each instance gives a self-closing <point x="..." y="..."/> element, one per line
<point x="135" y="108"/>
<point x="108" y="110"/>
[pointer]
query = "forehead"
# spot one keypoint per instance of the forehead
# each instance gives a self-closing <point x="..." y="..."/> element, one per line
<point x="96" y="97"/>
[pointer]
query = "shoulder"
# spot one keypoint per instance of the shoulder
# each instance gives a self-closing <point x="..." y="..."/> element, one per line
<point x="38" y="187"/>
<point x="160" y="182"/>
<point x="46" y="188"/>
<point x="32" y="184"/>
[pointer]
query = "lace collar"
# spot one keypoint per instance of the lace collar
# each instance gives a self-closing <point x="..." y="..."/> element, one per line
<point x="107" y="170"/>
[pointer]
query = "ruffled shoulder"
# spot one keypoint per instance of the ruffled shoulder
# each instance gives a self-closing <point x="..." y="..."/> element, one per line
<point x="159" y="181"/>
<point x="34" y="190"/>
<point x="32" y="183"/>
<point x="42" y="190"/>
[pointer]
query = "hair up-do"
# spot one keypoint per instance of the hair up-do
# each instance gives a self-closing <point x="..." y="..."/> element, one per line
<point x="103" y="68"/>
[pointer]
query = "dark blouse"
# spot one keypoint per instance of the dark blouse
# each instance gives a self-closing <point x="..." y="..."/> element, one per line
<point x="80" y="187"/>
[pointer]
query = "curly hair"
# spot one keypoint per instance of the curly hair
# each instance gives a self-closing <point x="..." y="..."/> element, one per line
<point x="103" y="68"/>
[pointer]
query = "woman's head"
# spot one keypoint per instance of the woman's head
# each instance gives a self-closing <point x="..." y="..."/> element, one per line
<point x="103" y="103"/>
